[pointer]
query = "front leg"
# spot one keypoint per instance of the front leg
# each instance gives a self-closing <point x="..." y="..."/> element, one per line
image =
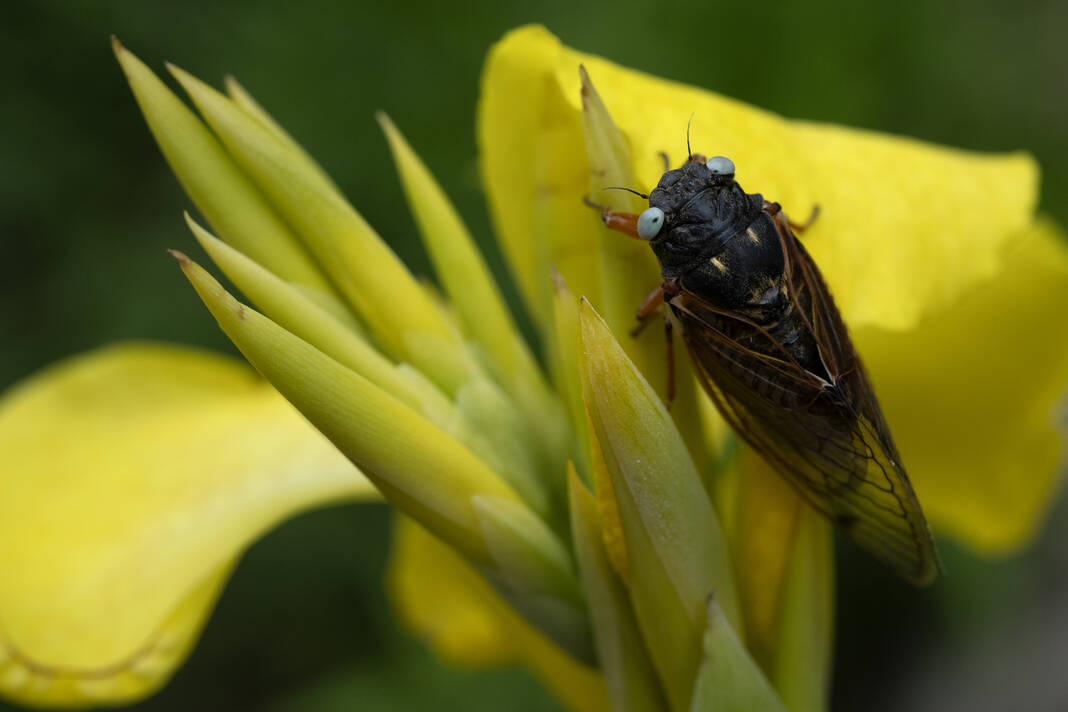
<point x="626" y="223"/>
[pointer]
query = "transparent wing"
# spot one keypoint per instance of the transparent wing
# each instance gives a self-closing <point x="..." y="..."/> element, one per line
<point x="826" y="436"/>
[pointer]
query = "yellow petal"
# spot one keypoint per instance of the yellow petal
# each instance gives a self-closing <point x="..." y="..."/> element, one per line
<point x="972" y="397"/>
<point x="133" y="478"/>
<point x="532" y="155"/>
<point x="443" y="599"/>
<point x="905" y="226"/>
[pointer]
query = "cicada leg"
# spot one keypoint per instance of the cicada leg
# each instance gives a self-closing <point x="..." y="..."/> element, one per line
<point x="776" y="213"/>
<point x="626" y="223"/>
<point x="648" y="309"/>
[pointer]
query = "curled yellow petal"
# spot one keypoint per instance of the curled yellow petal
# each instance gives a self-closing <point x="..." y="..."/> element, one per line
<point x="133" y="478"/>
<point x="973" y="397"/>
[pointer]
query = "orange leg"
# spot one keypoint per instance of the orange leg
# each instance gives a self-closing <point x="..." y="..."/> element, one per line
<point x="776" y="213"/>
<point x="648" y="309"/>
<point x="626" y="223"/>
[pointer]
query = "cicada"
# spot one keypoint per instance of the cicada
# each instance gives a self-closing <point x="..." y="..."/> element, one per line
<point x="771" y="350"/>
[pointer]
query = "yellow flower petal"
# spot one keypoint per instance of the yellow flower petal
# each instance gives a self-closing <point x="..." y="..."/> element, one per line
<point x="972" y="396"/>
<point x="444" y="600"/>
<point x="905" y="226"/>
<point x="133" y="478"/>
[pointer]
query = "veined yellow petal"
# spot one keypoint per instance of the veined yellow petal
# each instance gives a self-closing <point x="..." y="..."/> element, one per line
<point x="366" y="271"/>
<point x="973" y="397"/>
<point x="133" y="478"/>
<point x="905" y="226"/>
<point x="464" y="620"/>
<point x="226" y="197"/>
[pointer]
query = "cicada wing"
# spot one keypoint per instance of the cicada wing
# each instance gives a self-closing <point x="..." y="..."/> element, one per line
<point x="828" y="438"/>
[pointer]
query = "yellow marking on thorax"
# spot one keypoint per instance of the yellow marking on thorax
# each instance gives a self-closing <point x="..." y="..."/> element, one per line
<point x="718" y="264"/>
<point x="753" y="237"/>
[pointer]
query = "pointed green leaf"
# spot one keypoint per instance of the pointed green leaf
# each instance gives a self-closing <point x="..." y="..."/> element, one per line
<point x="232" y="204"/>
<point x="478" y="303"/>
<point x="432" y="481"/>
<point x="631" y="678"/>
<point x="290" y="309"/>
<point x="369" y="275"/>
<point x="467" y="281"/>
<point x="729" y="679"/>
<point x="646" y="455"/>
<point x="246" y="101"/>
<point x="675" y="549"/>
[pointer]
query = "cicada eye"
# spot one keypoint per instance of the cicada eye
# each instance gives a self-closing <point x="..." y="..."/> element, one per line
<point x="720" y="166"/>
<point x="650" y="223"/>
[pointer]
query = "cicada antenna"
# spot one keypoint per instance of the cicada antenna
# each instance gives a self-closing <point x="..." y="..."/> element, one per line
<point x="689" y="152"/>
<point x="643" y="196"/>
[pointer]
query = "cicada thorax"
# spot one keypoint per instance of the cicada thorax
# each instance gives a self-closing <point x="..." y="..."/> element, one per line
<point x="721" y="254"/>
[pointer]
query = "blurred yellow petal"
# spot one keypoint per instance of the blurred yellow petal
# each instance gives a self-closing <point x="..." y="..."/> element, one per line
<point x="133" y="478"/>
<point x="440" y="597"/>
<point x="974" y="397"/>
<point x="906" y="226"/>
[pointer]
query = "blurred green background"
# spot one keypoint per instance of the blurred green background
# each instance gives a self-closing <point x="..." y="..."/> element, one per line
<point x="87" y="208"/>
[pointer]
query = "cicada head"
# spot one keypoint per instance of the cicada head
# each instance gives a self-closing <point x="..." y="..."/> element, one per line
<point x="694" y="208"/>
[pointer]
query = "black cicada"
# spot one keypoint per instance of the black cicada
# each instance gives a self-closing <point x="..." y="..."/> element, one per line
<point x="772" y="352"/>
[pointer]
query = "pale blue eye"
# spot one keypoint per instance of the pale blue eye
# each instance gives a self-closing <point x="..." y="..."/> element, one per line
<point x="650" y="222"/>
<point x="720" y="166"/>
